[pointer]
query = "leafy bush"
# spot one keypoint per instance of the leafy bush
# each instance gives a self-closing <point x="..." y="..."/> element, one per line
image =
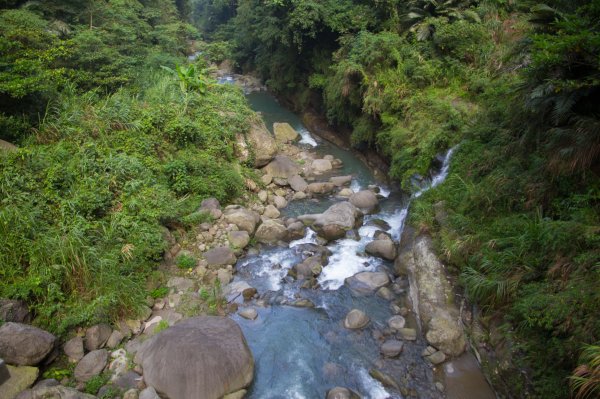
<point x="186" y="262"/>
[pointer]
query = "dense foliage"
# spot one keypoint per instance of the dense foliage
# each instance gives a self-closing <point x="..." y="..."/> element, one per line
<point x="112" y="150"/>
<point x="516" y="83"/>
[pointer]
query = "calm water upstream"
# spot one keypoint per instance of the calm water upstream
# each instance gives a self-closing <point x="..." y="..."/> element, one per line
<point x="303" y="352"/>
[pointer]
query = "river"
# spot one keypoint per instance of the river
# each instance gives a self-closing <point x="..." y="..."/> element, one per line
<point x="303" y="352"/>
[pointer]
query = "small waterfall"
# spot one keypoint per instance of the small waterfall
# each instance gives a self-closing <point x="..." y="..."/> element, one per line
<point x="398" y="222"/>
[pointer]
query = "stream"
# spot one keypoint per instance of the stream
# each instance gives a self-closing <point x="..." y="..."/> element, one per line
<point x="302" y="352"/>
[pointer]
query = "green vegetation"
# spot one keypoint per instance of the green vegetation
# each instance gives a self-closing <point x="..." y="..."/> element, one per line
<point x="516" y="84"/>
<point x="112" y="151"/>
<point x="186" y="262"/>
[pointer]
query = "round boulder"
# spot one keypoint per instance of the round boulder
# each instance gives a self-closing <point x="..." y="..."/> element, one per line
<point x="284" y="132"/>
<point x="391" y="348"/>
<point x="271" y="231"/>
<point x="385" y="249"/>
<point x="356" y="319"/>
<point x="91" y="365"/>
<point x="342" y="393"/>
<point x="24" y="345"/>
<point x="282" y="166"/>
<point x="243" y="218"/>
<point x="204" y="357"/>
<point x="365" y="200"/>
<point x="367" y="282"/>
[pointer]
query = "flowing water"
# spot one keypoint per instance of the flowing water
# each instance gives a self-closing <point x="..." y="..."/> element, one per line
<point x="301" y="352"/>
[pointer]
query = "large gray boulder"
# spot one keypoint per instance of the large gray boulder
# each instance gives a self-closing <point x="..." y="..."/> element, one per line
<point x="15" y="311"/>
<point x="204" y="357"/>
<point x="96" y="336"/>
<point x="367" y="282"/>
<point x="282" y="166"/>
<point x="340" y="181"/>
<point x="243" y="218"/>
<point x="297" y="183"/>
<point x="24" y="345"/>
<point x="262" y="143"/>
<point x="271" y="231"/>
<point x="365" y="200"/>
<point x="91" y="365"/>
<point x="284" y="132"/>
<point x="335" y="221"/>
<point x="219" y="256"/>
<point x="385" y="249"/>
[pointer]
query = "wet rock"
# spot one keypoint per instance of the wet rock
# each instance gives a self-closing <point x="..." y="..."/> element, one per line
<point x="320" y="188"/>
<point x="201" y="357"/>
<point x="24" y="345"/>
<point x="271" y="231"/>
<point x="310" y="267"/>
<point x="433" y="355"/>
<point x="249" y="293"/>
<point x="243" y="218"/>
<point x="396" y="322"/>
<point x="385" y="249"/>
<point x="356" y="319"/>
<point x="297" y="183"/>
<point x="382" y="224"/>
<point x="296" y="230"/>
<point x="74" y="349"/>
<point x="335" y="221"/>
<point x="263" y="144"/>
<point x="365" y="200"/>
<point x="385" y="293"/>
<point x="391" y="348"/>
<point x="219" y="256"/>
<point x="385" y="379"/>
<point x="367" y="282"/>
<point x="91" y="365"/>
<point x="303" y="303"/>
<point x="319" y="166"/>
<point x="282" y="166"/>
<point x="284" y="133"/>
<point x="14" y="311"/>
<point x="341" y="393"/>
<point x="271" y="212"/>
<point x="234" y="291"/>
<point x="239" y="239"/>
<point x="96" y="336"/>
<point x="20" y="379"/>
<point x="408" y="334"/>
<point x="340" y="181"/>
<point x="248" y="313"/>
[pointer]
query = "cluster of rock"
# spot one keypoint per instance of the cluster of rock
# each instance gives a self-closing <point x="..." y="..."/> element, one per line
<point x="200" y="357"/>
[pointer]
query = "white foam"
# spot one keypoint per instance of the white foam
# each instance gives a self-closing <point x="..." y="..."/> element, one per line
<point x="309" y="238"/>
<point x="374" y="388"/>
<point x="343" y="263"/>
<point x="396" y="221"/>
<point x="384" y="191"/>
<point x="355" y="186"/>
<point x="307" y="138"/>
